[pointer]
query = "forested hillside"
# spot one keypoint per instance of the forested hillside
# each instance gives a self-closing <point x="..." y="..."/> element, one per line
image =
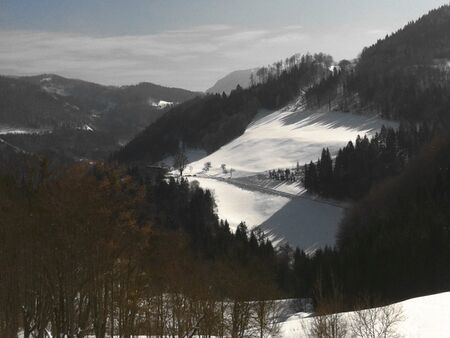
<point x="152" y="258"/>
<point x="359" y="166"/>
<point x="26" y="104"/>
<point x="214" y="120"/>
<point x="73" y="119"/>
<point x="53" y="101"/>
<point x="396" y="240"/>
<point x="404" y="76"/>
<point x="124" y="248"/>
<point x="157" y="241"/>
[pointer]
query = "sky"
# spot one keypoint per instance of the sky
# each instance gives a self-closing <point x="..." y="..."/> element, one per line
<point x="186" y="43"/>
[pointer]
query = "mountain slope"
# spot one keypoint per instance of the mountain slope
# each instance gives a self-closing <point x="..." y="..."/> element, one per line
<point x="48" y="102"/>
<point x="407" y="74"/>
<point x="288" y="136"/>
<point x="400" y="229"/>
<point x="213" y="121"/>
<point x="230" y="81"/>
<point x="280" y="139"/>
<point x="26" y="104"/>
<point x="124" y="110"/>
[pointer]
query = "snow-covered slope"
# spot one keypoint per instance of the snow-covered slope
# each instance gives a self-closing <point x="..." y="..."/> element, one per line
<point x="422" y="317"/>
<point x="280" y="139"/>
<point x="230" y="81"/>
<point x="302" y="220"/>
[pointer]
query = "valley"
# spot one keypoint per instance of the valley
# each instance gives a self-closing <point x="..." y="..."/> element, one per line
<point x="238" y="172"/>
<point x="300" y="196"/>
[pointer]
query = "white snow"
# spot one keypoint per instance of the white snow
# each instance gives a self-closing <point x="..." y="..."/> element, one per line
<point x="422" y="317"/>
<point x="5" y="129"/>
<point x="164" y="104"/>
<point x="46" y="79"/>
<point x="302" y="220"/>
<point x="236" y="204"/>
<point x="161" y="104"/>
<point x="280" y="139"/>
<point x="53" y="89"/>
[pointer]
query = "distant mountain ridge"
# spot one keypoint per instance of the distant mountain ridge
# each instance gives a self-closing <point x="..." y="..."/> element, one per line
<point x="53" y="101"/>
<point x="230" y="81"/>
<point x="50" y="102"/>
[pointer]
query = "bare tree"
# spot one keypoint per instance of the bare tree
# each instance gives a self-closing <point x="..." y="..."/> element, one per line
<point x="224" y="168"/>
<point x="252" y="80"/>
<point x="265" y="318"/>
<point x="379" y="322"/>
<point x="206" y="166"/>
<point x="331" y="325"/>
<point x="180" y="161"/>
<point x="329" y="322"/>
<point x="240" y="315"/>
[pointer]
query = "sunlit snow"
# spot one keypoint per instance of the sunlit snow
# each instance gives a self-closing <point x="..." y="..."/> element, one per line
<point x="280" y="139"/>
<point x="422" y="317"/>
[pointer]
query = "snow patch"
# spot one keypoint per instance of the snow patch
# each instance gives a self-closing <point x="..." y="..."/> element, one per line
<point x="423" y="317"/>
<point x="46" y="79"/>
<point x="4" y="129"/>
<point x="161" y="104"/>
<point x="54" y="90"/>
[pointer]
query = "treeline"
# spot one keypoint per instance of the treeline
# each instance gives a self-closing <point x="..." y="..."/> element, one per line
<point x="91" y="250"/>
<point x="360" y="165"/>
<point x="180" y="205"/>
<point x="88" y="250"/>
<point x="395" y="243"/>
<point x="403" y="76"/>
<point x="326" y="91"/>
<point x="214" y="120"/>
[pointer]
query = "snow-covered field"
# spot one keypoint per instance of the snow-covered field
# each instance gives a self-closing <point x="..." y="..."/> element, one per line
<point x="236" y="204"/>
<point x="279" y="139"/>
<point x="301" y="220"/>
<point x="422" y="317"/>
<point x="275" y="140"/>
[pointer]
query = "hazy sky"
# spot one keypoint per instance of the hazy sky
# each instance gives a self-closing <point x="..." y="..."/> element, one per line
<point x="186" y="43"/>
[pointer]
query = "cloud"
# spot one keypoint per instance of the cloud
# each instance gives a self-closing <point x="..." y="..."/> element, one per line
<point x="192" y="58"/>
